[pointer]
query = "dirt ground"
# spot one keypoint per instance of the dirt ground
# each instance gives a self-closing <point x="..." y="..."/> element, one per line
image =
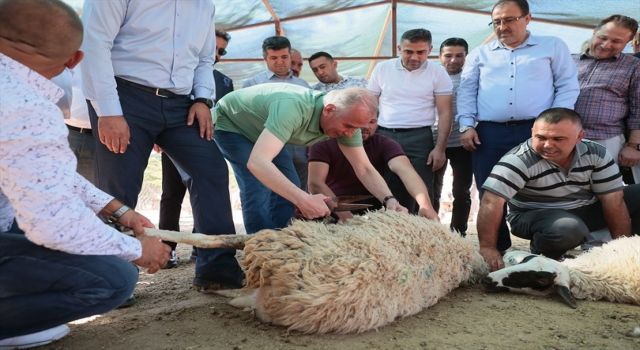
<point x="171" y="315"/>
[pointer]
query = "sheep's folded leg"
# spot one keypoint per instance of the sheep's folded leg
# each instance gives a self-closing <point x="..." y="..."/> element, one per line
<point x="200" y="240"/>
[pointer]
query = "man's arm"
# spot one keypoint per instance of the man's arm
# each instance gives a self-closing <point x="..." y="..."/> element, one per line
<point x="317" y="174"/>
<point x="467" y="101"/>
<point x="489" y="217"/>
<point x="616" y="213"/>
<point x="204" y="84"/>
<point x="369" y="176"/>
<point x="402" y="167"/>
<point x="437" y="156"/>
<point x="261" y="165"/>
<point x="565" y="77"/>
<point x="628" y="155"/>
<point x="102" y="21"/>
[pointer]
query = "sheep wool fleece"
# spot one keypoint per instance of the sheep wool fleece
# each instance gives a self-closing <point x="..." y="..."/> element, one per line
<point x="357" y="276"/>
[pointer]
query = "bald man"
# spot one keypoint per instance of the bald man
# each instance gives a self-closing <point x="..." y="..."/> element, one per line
<point x="59" y="261"/>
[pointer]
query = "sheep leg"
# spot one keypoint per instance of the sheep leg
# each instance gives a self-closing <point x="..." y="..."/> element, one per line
<point x="200" y="240"/>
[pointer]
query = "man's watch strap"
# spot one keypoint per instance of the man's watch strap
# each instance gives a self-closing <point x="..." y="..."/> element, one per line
<point x="464" y="128"/>
<point x="206" y="101"/>
<point x="116" y="215"/>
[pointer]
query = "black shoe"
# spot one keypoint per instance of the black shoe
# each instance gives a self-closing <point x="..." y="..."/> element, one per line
<point x="127" y="303"/>
<point x="172" y="262"/>
<point x="206" y="287"/>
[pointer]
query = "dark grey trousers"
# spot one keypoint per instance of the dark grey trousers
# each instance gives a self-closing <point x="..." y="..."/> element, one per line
<point x="554" y="231"/>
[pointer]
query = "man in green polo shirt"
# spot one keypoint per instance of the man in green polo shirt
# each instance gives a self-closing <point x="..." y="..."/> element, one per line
<point x="252" y="126"/>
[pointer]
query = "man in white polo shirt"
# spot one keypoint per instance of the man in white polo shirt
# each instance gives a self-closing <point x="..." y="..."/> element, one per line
<point x="410" y="90"/>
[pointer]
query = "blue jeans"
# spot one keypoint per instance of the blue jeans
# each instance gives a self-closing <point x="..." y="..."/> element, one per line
<point x="261" y="207"/>
<point x="496" y="140"/>
<point x="42" y="288"/>
<point x="163" y="121"/>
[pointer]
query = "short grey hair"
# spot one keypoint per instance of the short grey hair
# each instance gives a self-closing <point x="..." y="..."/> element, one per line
<point x="345" y="99"/>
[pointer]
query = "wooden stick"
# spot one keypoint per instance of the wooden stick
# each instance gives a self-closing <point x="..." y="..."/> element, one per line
<point x="200" y="240"/>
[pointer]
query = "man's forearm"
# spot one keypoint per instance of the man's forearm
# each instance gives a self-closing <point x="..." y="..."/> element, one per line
<point x="414" y="184"/>
<point x="374" y="183"/>
<point x="269" y="175"/>
<point x="618" y="221"/>
<point x="489" y="223"/>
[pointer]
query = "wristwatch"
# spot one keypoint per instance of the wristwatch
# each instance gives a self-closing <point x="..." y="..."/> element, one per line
<point x="206" y="101"/>
<point x="116" y="215"/>
<point x="464" y="128"/>
<point x="635" y="146"/>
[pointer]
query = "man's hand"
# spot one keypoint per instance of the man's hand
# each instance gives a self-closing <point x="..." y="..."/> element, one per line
<point x="629" y="157"/>
<point x="428" y="213"/>
<point x="154" y="253"/>
<point x="314" y="206"/>
<point x="436" y="159"/>
<point x="492" y="257"/>
<point x="135" y="221"/>
<point x="114" y="133"/>
<point x="343" y="216"/>
<point x="201" y="112"/>
<point x="393" y="204"/>
<point x="470" y="139"/>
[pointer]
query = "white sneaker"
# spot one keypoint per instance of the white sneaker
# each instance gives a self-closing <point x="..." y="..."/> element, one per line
<point x="35" y="339"/>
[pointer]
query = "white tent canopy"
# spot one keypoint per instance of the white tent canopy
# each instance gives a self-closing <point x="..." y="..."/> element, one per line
<point x="360" y="32"/>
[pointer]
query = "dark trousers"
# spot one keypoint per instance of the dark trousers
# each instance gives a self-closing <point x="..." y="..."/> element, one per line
<point x="83" y="147"/>
<point x="42" y="288"/>
<point x="154" y="119"/>
<point x="417" y="144"/>
<point x="173" y="191"/>
<point x="554" y="231"/>
<point x="496" y="140"/>
<point x="460" y="160"/>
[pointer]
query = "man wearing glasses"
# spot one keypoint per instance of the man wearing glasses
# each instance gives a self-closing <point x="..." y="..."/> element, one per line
<point x="505" y="84"/>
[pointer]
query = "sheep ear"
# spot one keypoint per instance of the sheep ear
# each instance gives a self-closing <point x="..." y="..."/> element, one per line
<point x="566" y="296"/>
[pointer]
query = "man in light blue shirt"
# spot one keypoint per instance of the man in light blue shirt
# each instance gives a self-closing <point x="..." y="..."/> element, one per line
<point x="148" y="75"/>
<point x="505" y="84"/>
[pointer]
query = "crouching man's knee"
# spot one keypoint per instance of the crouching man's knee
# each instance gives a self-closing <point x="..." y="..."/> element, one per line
<point x="562" y="235"/>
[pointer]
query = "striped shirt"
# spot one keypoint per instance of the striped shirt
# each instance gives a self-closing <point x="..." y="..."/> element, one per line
<point x="529" y="181"/>
<point x="609" y="97"/>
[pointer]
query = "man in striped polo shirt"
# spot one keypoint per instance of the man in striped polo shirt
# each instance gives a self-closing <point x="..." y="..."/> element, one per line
<point x="559" y="187"/>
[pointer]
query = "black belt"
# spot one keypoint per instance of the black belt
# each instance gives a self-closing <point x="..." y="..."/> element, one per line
<point x="510" y="122"/>
<point x="155" y="91"/>
<point x="403" y="129"/>
<point x="80" y="130"/>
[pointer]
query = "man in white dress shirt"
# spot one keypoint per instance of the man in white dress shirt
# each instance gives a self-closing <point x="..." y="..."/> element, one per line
<point x="148" y="74"/>
<point x="58" y="261"/>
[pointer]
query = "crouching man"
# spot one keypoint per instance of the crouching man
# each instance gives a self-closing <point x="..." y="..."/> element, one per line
<point x="253" y="125"/>
<point x="559" y="187"/>
<point x="331" y="174"/>
<point x="58" y="261"/>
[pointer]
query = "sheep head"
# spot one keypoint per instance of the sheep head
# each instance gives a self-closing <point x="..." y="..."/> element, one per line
<point x="531" y="274"/>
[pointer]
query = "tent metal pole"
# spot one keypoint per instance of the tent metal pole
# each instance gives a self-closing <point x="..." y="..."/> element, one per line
<point x="276" y="20"/>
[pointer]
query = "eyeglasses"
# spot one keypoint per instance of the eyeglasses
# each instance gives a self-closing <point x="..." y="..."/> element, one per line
<point x="222" y="51"/>
<point x="504" y="21"/>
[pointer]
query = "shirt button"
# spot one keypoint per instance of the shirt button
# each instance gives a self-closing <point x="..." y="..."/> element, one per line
<point x="512" y="76"/>
<point x="510" y="103"/>
<point x="510" y="88"/>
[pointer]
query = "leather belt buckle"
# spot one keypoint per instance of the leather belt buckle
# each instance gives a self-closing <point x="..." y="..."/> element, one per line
<point x="159" y="93"/>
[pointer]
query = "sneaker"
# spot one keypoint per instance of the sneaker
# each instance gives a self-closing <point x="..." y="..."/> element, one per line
<point x="35" y="339"/>
<point x="172" y="262"/>
<point x="129" y="302"/>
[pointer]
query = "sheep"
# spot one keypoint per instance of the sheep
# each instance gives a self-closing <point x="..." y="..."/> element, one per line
<point x="347" y="278"/>
<point x="610" y="272"/>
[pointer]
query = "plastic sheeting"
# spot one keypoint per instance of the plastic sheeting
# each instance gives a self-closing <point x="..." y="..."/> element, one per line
<point x="362" y="28"/>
